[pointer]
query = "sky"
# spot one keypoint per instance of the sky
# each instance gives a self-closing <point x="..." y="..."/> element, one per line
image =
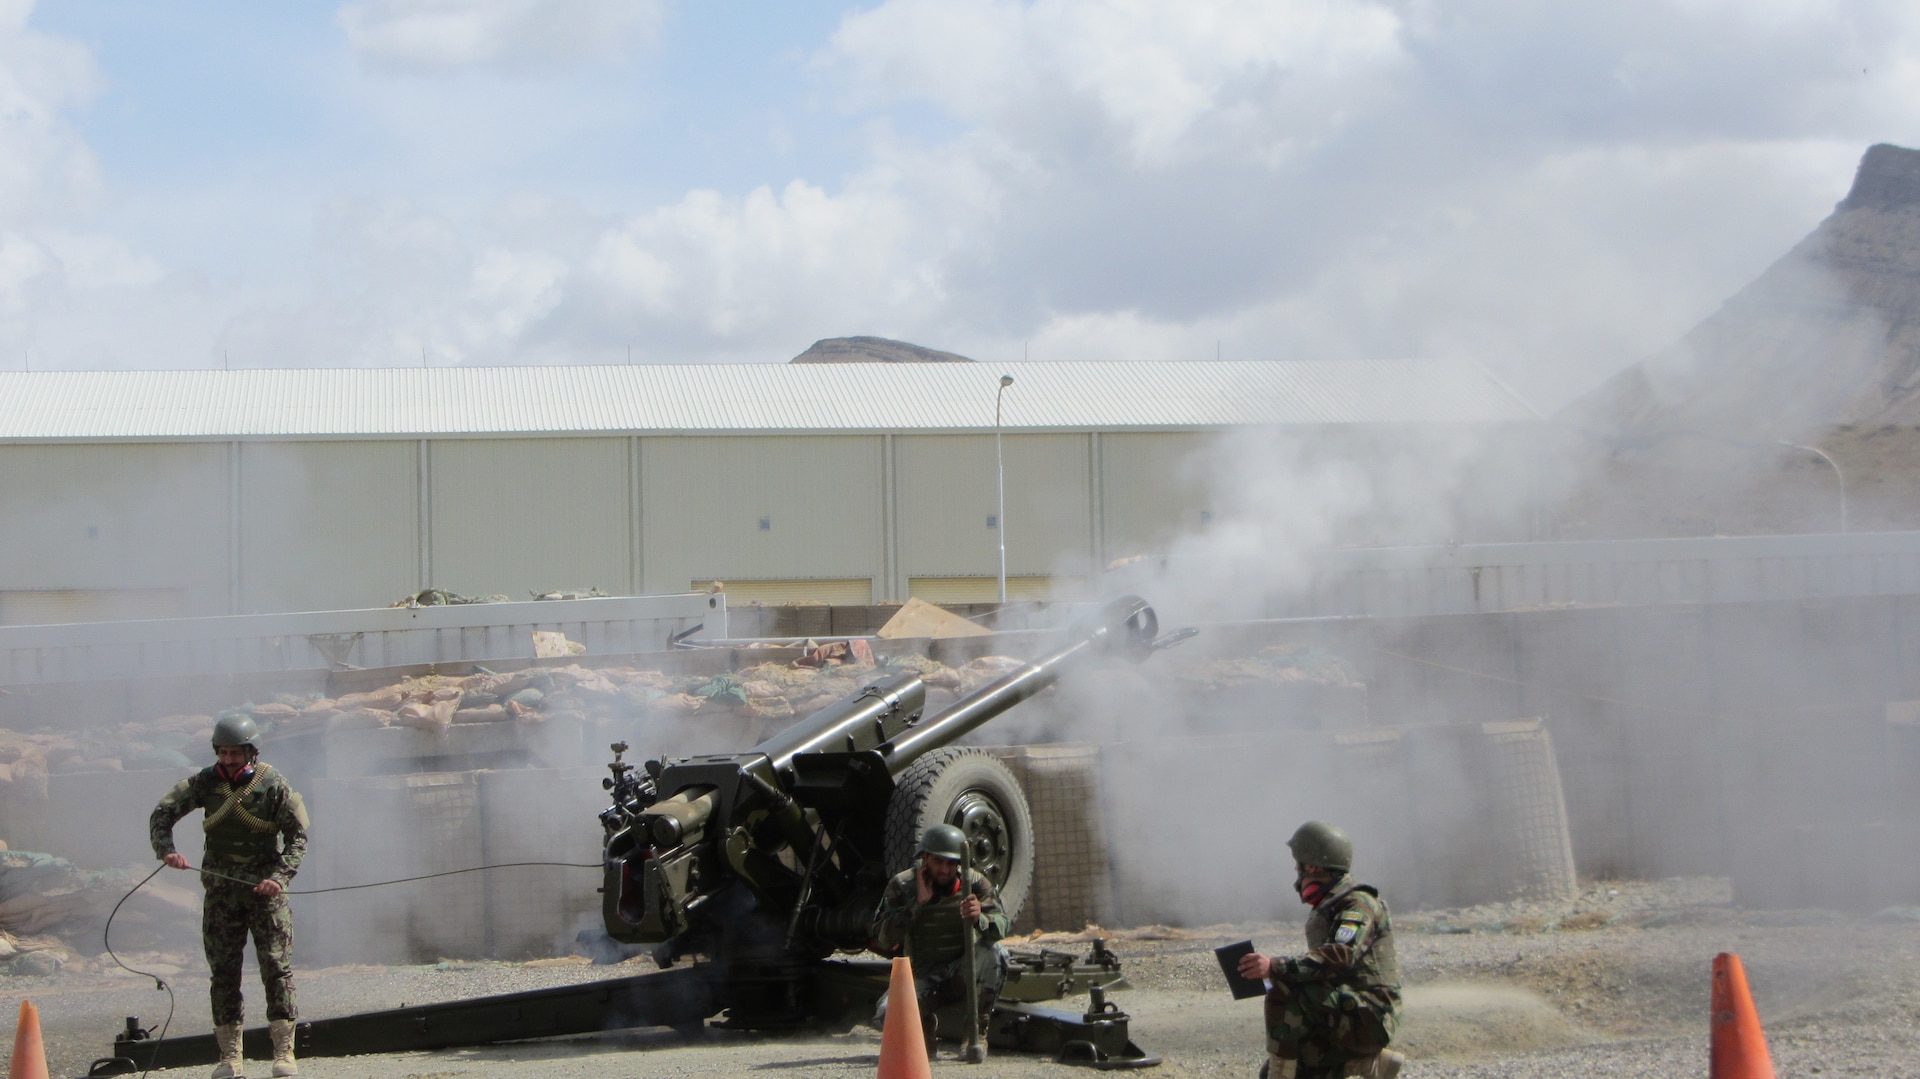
<point x="1554" y="190"/>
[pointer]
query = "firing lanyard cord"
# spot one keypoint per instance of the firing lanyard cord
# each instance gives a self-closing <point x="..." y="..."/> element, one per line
<point x="106" y="934"/>
<point x="400" y="880"/>
<point x="106" y="939"/>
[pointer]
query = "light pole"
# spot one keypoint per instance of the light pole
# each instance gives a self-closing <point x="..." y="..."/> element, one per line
<point x="1837" y="474"/>
<point x="1000" y="485"/>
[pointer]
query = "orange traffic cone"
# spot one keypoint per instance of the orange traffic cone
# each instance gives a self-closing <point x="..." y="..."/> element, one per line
<point x="903" y="1051"/>
<point x="1739" y="1046"/>
<point x="29" y="1053"/>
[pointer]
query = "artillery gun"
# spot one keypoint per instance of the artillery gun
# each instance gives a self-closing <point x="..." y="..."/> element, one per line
<point x="761" y="865"/>
<point x="766" y="862"/>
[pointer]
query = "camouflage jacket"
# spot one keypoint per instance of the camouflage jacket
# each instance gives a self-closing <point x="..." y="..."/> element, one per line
<point x="1352" y="914"/>
<point x="271" y="801"/>
<point x="901" y="920"/>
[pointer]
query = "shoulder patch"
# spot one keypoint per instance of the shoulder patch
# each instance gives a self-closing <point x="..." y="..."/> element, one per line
<point x="1346" y="934"/>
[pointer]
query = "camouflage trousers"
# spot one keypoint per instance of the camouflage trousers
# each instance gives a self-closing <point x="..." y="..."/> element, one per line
<point x="232" y="913"/>
<point x="1324" y="1024"/>
<point x="947" y="984"/>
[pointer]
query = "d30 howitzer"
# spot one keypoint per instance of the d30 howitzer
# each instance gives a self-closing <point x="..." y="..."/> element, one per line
<point x="765" y="862"/>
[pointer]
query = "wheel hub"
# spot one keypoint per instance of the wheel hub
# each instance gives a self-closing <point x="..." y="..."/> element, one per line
<point x="984" y="823"/>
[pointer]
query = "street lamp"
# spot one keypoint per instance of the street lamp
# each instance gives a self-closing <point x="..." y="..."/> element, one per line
<point x="1000" y="485"/>
<point x="1837" y="474"/>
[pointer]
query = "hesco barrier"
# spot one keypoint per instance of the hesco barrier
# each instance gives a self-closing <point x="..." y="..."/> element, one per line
<point x="1440" y="816"/>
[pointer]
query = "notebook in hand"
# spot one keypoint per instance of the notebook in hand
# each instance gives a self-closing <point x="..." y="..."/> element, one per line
<point x="1230" y="956"/>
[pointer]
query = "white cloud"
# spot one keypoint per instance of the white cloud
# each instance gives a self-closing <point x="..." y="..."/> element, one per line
<point x="506" y="35"/>
<point x="1153" y="75"/>
<point x="1553" y="190"/>
<point x="45" y="168"/>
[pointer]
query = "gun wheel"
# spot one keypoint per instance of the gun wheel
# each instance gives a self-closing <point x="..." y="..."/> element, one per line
<point x="973" y="791"/>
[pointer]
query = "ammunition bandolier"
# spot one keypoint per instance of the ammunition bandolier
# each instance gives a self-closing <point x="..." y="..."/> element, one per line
<point x="255" y="830"/>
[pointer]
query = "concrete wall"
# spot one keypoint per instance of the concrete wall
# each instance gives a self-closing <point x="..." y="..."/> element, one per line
<point x="1487" y="577"/>
<point x="215" y="649"/>
<point x="1689" y="737"/>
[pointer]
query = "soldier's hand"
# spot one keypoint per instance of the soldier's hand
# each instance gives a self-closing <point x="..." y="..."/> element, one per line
<point x="1337" y="956"/>
<point x="922" y="886"/>
<point x="267" y="887"/>
<point x="177" y="860"/>
<point x="1255" y="965"/>
<point x="970" y="908"/>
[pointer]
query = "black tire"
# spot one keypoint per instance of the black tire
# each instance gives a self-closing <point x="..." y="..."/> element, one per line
<point x="975" y="792"/>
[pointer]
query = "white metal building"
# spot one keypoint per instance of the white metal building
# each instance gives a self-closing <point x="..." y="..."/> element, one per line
<point x="159" y="493"/>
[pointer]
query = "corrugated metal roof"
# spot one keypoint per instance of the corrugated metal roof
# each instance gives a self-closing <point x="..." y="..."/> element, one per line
<point x="413" y="402"/>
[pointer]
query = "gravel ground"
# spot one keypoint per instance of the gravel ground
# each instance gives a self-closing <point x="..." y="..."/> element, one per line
<point x="1613" y="983"/>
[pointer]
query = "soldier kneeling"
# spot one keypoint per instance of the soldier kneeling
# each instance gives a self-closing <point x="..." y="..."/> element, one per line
<point x="921" y="915"/>
<point x="1330" y="1012"/>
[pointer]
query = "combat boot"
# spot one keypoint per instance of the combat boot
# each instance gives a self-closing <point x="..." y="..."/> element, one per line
<point x="1382" y="1065"/>
<point x="232" y="1064"/>
<point x="929" y="1029"/>
<point x="281" y="1031"/>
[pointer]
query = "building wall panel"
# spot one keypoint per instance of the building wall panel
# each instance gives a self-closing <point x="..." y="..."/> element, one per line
<point x="946" y="494"/>
<point x="760" y="507"/>
<point x="1153" y="488"/>
<point x="328" y="526"/>
<point x="135" y="516"/>
<point x="809" y="591"/>
<point x="520" y="515"/>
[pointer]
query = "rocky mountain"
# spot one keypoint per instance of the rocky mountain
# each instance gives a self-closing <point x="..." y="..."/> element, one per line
<point x="1822" y="350"/>
<point x="872" y="350"/>
<point x="1829" y="335"/>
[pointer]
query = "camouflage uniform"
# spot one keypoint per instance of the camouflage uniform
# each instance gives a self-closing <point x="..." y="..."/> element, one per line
<point x="931" y="936"/>
<point x="1323" y="1014"/>
<point x="262" y="833"/>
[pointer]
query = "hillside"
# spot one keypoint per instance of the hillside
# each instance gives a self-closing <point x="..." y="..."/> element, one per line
<point x="1822" y="349"/>
<point x="872" y="350"/>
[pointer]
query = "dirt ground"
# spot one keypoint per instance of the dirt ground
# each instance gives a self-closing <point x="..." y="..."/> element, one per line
<point x="1612" y="984"/>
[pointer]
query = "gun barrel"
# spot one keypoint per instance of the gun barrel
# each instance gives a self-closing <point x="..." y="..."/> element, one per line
<point x="1126" y="626"/>
<point x="853" y="723"/>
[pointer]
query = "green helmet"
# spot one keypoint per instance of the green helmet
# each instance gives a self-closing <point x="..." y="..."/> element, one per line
<point x="1319" y="843"/>
<point x="236" y="731"/>
<point x="945" y="841"/>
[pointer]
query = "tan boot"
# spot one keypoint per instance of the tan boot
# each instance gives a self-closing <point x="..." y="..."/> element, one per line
<point x="281" y="1031"/>
<point x="1382" y="1065"/>
<point x="232" y="1064"/>
<point x="1278" y="1067"/>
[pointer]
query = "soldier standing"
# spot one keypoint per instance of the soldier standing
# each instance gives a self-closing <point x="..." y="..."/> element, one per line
<point x="1330" y="1012"/>
<point x="256" y="828"/>
<point x="920" y="915"/>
